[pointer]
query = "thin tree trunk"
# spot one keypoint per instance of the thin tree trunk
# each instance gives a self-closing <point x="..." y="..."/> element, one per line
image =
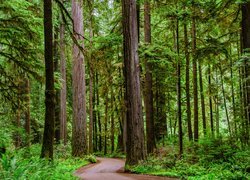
<point x="57" y="97"/>
<point x="217" y="103"/>
<point x="204" y="123"/>
<point x="63" y="92"/>
<point x="106" y="124"/>
<point x="98" y="114"/>
<point x="135" y="126"/>
<point x="217" y="117"/>
<point x="79" y="138"/>
<point x="148" y="83"/>
<point x="245" y="47"/>
<point x="233" y="95"/>
<point x="91" y="74"/>
<point x="17" y="137"/>
<point x="49" y="127"/>
<point x="179" y="114"/>
<point x="112" y="121"/>
<point x="27" y="112"/>
<point x="195" y="89"/>
<point x="210" y="101"/>
<point x="188" y="104"/>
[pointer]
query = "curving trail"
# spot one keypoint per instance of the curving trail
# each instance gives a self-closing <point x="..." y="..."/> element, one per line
<point x="111" y="169"/>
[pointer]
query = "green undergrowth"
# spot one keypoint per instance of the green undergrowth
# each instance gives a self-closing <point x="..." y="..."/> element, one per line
<point x="26" y="164"/>
<point x="207" y="160"/>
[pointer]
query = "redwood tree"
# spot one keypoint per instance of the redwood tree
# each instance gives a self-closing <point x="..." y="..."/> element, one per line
<point x="79" y="139"/>
<point x="148" y="83"/>
<point x="135" y="130"/>
<point x="48" y="135"/>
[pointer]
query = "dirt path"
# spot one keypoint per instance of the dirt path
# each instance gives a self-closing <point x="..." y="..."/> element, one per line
<point x="111" y="169"/>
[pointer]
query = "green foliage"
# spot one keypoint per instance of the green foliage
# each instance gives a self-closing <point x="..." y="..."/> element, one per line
<point x="210" y="159"/>
<point x="91" y="158"/>
<point x="16" y="165"/>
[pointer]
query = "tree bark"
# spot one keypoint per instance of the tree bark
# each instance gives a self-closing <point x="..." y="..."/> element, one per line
<point x="179" y="114"/>
<point x="210" y="101"/>
<point x="91" y="74"/>
<point x="188" y="104"/>
<point x="112" y="121"/>
<point x="246" y="46"/>
<point x="135" y="128"/>
<point x="148" y="83"/>
<point x="203" y="111"/>
<point x="57" y="97"/>
<point x="98" y="114"/>
<point x="48" y="135"/>
<point x="195" y="89"/>
<point x="79" y="138"/>
<point x="63" y="91"/>
<point x="106" y="123"/>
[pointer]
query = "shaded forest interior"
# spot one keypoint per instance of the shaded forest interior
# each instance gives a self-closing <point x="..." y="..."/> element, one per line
<point x="164" y="84"/>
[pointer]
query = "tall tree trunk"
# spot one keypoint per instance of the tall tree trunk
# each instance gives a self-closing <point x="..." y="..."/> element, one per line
<point x="91" y="74"/>
<point x="48" y="135"/>
<point x="79" y="138"/>
<point x="27" y="111"/>
<point x="179" y="114"/>
<point x="63" y="92"/>
<point x="210" y="101"/>
<point x="246" y="46"/>
<point x="135" y="129"/>
<point x="217" y="104"/>
<point x="188" y="104"/>
<point x="112" y="121"/>
<point x="57" y="98"/>
<point x="98" y="114"/>
<point x="204" y="123"/>
<point x="233" y="95"/>
<point x="106" y="123"/>
<point x="95" y="137"/>
<point x="148" y="83"/>
<point x="195" y="89"/>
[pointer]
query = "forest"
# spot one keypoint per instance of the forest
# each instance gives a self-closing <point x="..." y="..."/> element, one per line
<point x="124" y="89"/>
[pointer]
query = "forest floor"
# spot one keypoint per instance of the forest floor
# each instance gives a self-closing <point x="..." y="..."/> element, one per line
<point x="111" y="169"/>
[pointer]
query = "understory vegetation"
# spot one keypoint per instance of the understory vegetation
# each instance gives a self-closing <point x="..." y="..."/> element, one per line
<point x="26" y="163"/>
<point x="209" y="159"/>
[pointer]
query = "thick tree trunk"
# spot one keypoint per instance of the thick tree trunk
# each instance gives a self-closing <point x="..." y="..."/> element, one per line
<point x="63" y="92"/>
<point x="203" y="111"/>
<point x="148" y="83"/>
<point x="195" y="89"/>
<point x="48" y="135"/>
<point x="135" y="129"/>
<point x="188" y="104"/>
<point x="79" y="138"/>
